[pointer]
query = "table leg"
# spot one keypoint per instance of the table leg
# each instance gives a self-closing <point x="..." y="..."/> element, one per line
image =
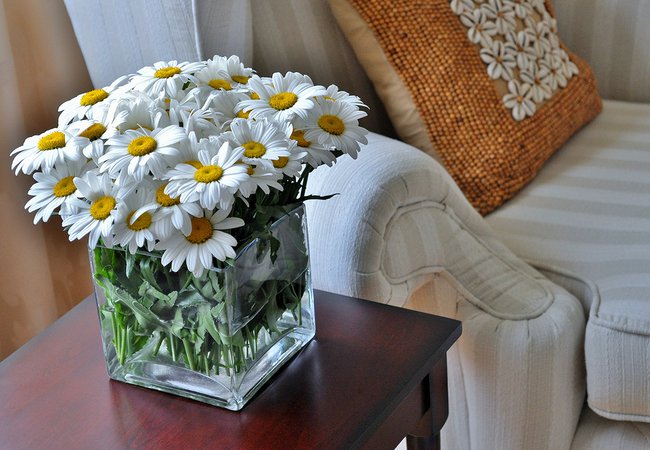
<point x="427" y="433"/>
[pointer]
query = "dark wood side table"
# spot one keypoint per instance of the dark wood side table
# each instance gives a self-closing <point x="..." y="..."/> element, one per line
<point x="372" y="374"/>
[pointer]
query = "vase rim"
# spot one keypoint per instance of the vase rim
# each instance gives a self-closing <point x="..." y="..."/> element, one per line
<point x="300" y="207"/>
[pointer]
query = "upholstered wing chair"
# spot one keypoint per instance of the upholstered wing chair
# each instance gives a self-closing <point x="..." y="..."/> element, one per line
<point x="553" y="288"/>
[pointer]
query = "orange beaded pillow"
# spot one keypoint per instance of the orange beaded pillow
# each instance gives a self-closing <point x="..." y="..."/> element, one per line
<point x="485" y="86"/>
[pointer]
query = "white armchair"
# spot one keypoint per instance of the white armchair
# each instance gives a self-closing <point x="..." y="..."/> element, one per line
<point x="401" y="232"/>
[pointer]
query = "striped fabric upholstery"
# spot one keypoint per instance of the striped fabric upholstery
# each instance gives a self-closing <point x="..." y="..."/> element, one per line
<point x="303" y="36"/>
<point x="516" y="374"/>
<point x="155" y="30"/>
<point x="598" y="433"/>
<point x="588" y="211"/>
<point x="614" y="37"/>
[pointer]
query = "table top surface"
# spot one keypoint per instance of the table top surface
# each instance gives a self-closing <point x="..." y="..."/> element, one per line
<point x="365" y="358"/>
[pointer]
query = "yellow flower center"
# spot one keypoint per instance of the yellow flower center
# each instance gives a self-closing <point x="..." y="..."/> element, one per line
<point x="141" y="223"/>
<point x="281" y="162"/>
<point x="220" y="83"/>
<point x="254" y="149"/>
<point x="102" y="207"/>
<point x="64" y="187"/>
<point x="243" y="115"/>
<point x="255" y="96"/>
<point x="93" y="132"/>
<point x="55" y="139"/>
<point x="202" y="230"/>
<point x="299" y="137"/>
<point x="142" y="145"/>
<point x="208" y="174"/>
<point x="164" y="199"/>
<point x="241" y="79"/>
<point x="167" y="72"/>
<point x="194" y="163"/>
<point x="327" y="97"/>
<point x="250" y="170"/>
<point x="92" y="97"/>
<point x="283" y="100"/>
<point x="331" y="124"/>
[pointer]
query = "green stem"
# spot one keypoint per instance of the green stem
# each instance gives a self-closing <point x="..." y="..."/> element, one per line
<point x="172" y="348"/>
<point x="189" y="357"/>
<point x="129" y="343"/>
<point x="156" y="348"/>
<point x="303" y="179"/>
<point x="216" y="356"/>
<point x="122" y="357"/>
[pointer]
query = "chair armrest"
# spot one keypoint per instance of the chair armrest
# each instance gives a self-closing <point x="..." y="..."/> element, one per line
<point x="517" y="373"/>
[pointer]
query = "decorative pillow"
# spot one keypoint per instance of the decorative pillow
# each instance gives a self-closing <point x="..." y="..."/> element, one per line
<point x="486" y="85"/>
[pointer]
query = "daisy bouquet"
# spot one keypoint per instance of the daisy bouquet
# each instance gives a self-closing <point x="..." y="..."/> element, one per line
<point x="173" y="173"/>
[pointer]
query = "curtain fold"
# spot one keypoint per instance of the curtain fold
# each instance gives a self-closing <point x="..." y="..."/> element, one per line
<point x="42" y="275"/>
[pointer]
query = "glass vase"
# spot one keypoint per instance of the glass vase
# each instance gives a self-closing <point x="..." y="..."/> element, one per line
<point x="216" y="338"/>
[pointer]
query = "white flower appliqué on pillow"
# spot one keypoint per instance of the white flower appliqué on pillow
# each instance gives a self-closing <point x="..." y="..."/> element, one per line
<point x="521" y="50"/>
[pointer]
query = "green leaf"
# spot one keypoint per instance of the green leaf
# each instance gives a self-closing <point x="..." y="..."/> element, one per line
<point x="206" y="322"/>
<point x="130" y="263"/>
<point x="146" y="290"/>
<point x="178" y="324"/>
<point x="275" y="246"/>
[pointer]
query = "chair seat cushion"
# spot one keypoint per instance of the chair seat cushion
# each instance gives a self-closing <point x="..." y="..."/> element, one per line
<point x="588" y="211"/>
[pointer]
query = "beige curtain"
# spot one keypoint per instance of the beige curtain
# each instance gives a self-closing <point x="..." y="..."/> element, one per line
<point x="42" y="275"/>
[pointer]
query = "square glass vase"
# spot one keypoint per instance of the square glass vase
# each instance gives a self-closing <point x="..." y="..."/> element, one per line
<point x="216" y="338"/>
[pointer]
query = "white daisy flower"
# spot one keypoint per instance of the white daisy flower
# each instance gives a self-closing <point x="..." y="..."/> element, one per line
<point x="52" y="189"/>
<point x="500" y="62"/>
<point x="479" y="29"/>
<point x="45" y="150"/>
<point x="336" y="124"/>
<point x="519" y="100"/>
<point x="214" y="182"/>
<point x="165" y="77"/>
<point x="135" y="110"/>
<point x="94" y="133"/>
<point x="205" y="242"/>
<point x="262" y="141"/>
<point x="221" y="73"/>
<point x="291" y="165"/>
<point x="462" y="6"/>
<point x="170" y="214"/>
<point x="188" y="152"/>
<point x="68" y="208"/>
<point x="520" y="46"/>
<point x="335" y="95"/>
<point x="281" y="97"/>
<point x="203" y="122"/>
<point x="261" y="177"/>
<point x="502" y="14"/>
<point x="179" y="108"/>
<point x="225" y="105"/>
<point x="95" y="216"/>
<point x="133" y="221"/>
<point x="82" y="105"/>
<point x="136" y="153"/>
<point x="316" y="154"/>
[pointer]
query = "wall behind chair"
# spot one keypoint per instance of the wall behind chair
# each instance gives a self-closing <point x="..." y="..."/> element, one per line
<point x="613" y="36"/>
<point x="42" y="275"/>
